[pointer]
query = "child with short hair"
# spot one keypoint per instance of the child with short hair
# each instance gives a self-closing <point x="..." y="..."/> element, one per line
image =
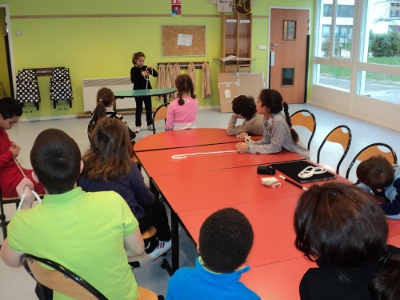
<point x="226" y="238"/>
<point x="92" y="234"/>
<point x="386" y="284"/>
<point x="378" y="176"/>
<point x="105" y="108"/>
<point x="278" y="131"/>
<point x="11" y="172"/>
<point x="108" y="167"/>
<point x="244" y="107"/>
<point x="182" y="111"/>
<point x="140" y="77"/>
<point x="344" y="231"/>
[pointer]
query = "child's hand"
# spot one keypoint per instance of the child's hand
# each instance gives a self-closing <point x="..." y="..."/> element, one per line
<point x="241" y="147"/>
<point x="26" y="187"/>
<point x="14" y="149"/>
<point x="238" y="116"/>
<point x="242" y="135"/>
<point x="150" y="68"/>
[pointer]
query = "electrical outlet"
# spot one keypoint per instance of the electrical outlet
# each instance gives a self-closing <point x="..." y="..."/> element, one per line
<point x="262" y="47"/>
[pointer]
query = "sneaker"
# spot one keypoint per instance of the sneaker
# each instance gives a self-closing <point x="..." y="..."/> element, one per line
<point x="160" y="250"/>
<point x="150" y="127"/>
<point x="137" y="129"/>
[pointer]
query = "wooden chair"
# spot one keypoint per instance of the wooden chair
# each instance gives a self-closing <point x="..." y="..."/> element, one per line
<point x="306" y="119"/>
<point x="65" y="281"/>
<point x="372" y="150"/>
<point x="341" y="135"/>
<point x="160" y="114"/>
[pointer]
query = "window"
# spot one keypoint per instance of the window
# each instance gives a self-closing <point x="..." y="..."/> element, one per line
<point x="345" y="11"/>
<point x="394" y="10"/>
<point x="327" y="10"/>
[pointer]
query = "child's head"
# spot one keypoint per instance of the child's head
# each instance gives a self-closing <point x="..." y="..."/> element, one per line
<point x="184" y="84"/>
<point x="375" y="172"/>
<point x="109" y="156"/>
<point x="340" y="224"/>
<point x="56" y="160"/>
<point x="105" y="96"/>
<point x="226" y="238"/>
<point x="138" y="59"/>
<point x="10" y="111"/>
<point x="271" y="102"/>
<point x="244" y="106"/>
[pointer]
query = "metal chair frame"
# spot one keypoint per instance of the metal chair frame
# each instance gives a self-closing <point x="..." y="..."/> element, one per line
<point x="337" y="135"/>
<point x="371" y="150"/>
<point x="306" y="119"/>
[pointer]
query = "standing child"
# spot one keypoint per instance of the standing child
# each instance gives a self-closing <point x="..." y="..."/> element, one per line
<point x="11" y="173"/>
<point x="105" y="108"/>
<point x="141" y="80"/>
<point x="278" y="131"/>
<point x="226" y="238"/>
<point x="108" y="167"/>
<point x="378" y="176"/>
<point x="244" y="107"/>
<point x="343" y="229"/>
<point x="182" y="111"/>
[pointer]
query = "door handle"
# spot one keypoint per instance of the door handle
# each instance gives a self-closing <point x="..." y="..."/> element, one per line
<point x="274" y="45"/>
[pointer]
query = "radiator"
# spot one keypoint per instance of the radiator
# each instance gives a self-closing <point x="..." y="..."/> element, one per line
<point x="90" y="87"/>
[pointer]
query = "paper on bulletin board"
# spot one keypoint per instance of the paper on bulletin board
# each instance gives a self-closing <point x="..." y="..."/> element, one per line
<point x="185" y="40"/>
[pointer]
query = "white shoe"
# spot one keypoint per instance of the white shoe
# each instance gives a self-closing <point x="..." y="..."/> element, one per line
<point x="137" y="129"/>
<point x="160" y="250"/>
<point x="150" y="127"/>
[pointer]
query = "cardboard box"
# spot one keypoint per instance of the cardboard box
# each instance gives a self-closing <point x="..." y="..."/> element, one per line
<point x="231" y="85"/>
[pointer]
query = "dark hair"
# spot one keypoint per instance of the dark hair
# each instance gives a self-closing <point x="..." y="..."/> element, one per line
<point x="56" y="158"/>
<point x="136" y="56"/>
<point x="109" y="156"/>
<point x="105" y="97"/>
<point x="375" y="172"/>
<point x="9" y="108"/>
<point x="226" y="238"/>
<point x="244" y="106"/>
<point x="184" y="83"/>
<point x="340" y="224"/>
<point x="386" y="284"/>
<point x="273" y="100"/>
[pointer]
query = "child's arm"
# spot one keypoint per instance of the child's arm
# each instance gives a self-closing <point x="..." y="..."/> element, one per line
<point x="9" y="155"/>
<point x="141" y="191"/>
<point x="134" y="244"/>
<point x="392" y="209"/>
<point x="233" y="129"/>
<point x="169" y="123"/>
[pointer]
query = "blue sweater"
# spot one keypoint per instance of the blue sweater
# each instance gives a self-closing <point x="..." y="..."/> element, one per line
<point x="200" y="283"/>
<point x="390" y="194"/>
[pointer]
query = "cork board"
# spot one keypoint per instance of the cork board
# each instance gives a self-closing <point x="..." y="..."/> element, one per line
<point x="183" y="40"/>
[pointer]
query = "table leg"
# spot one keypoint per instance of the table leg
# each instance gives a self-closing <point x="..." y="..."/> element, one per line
<point x="174" y="247"/>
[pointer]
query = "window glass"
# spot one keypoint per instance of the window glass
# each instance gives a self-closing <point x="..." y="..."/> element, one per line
<point x="344" y="28"/>
<point x="335" y="77"/>
<point x="379" y="86"/>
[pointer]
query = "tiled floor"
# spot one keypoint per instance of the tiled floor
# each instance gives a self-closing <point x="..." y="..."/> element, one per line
<point x="16" y="283"/>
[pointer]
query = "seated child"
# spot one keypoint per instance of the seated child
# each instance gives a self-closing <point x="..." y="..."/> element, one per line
<point x="377" y="176"/>
<point x="183" y="110"/>
<point x="92" y="234"/>
<point x="278" y="132"/>
<point x="225" y="241"/>
<point x="11" y="172"/>
<point x="244" y="107"/>
<point x="386" y="284"/>
<point x="108" y="167"/>
<point x="105" y="108"/>
<point x="343" y="229"/>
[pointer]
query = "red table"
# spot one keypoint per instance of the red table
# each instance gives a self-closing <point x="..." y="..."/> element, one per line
<point x="184" y="138"/>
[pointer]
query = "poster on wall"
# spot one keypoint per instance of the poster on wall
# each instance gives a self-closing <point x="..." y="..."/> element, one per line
<point x="225" y="6"/>
<point x="242" y="7"/>
<point x="176" y="7"/>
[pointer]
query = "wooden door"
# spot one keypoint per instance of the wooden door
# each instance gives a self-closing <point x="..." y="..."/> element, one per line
<point x="289" y="52"/>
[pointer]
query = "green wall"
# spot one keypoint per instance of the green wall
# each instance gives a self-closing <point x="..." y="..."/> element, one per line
<point x="4" y="79"/>
<point x="96" y="39"/>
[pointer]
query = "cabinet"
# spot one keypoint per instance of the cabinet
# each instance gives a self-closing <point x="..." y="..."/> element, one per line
<point x="236" y="41"/>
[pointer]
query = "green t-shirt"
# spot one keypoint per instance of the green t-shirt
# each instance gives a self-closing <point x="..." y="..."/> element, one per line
<point x="84" y="232"/>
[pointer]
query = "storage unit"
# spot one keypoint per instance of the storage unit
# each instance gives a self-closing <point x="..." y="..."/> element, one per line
<point x="236" y="42"/>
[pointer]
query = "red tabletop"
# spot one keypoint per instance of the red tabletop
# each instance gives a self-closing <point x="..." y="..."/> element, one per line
<point x="278" y="280"/>
<point x="394" y="240"/>
<point x="162" y="163"/>
<point x="394" y="227"/>
<point x="184" y="138"/>
<point x="224" y="187"/>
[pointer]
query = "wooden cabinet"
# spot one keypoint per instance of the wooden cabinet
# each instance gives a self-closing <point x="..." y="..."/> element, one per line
<point x="236" y="41"/>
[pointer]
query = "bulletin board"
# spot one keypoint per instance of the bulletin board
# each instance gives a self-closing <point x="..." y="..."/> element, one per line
<point x="183" y="40"/>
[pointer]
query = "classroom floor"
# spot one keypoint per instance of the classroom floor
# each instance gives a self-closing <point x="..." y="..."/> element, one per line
<point x="17" y="284"/>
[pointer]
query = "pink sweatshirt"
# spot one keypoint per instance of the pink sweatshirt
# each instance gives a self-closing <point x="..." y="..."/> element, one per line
<point x="182" y="116"/>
